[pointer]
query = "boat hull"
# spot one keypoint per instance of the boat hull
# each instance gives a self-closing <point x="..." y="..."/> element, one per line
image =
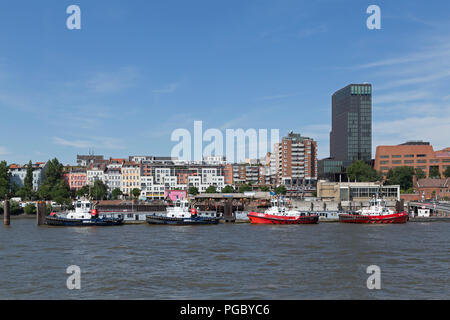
<point x="400" y="217"/>
<point x="263" y="218"/>
<point x="97" y="222"/>
<point x="161" y="220"/>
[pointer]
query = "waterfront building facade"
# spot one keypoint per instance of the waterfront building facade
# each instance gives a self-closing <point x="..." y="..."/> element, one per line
<point x="94" y="172"/>
<point x="76" y="178"/>
<point x="85" y="160"/>
<point x="415" y="154"/>
<point x="18" y="174"/>
<point x="295" y="160"/>
<point x="131" y="177"/>
<point x="356" y="191"/>
<point x="351" y="123"/>
<point x="438" y="189"/>
<point x="112" y="178"/>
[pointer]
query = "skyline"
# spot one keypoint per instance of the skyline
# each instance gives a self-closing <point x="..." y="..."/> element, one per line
<point x="137" y="71"/>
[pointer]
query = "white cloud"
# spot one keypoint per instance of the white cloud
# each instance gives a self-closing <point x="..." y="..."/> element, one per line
<point x="433" y="129"/>
<point x="97" y="142"/>
<point x="168" y="89"/>
<point x="278" y="96"/>
<point x="4" y="151"/>
<point x="307" y="32"/>
<point x="402" y="96"/>
<point x="414" y="57"/>
<point x="110" y="82"/>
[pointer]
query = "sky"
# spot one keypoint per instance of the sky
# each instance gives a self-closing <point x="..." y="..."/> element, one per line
<point x="138" y="70"/>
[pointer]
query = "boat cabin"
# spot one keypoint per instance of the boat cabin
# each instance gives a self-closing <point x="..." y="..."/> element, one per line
<point x="82" y="210"/>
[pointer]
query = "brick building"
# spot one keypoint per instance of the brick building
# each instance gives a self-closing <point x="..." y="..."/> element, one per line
<point x="433" y="188"/>
<point x="414" y="154"/>
<point x="295" y="160"/>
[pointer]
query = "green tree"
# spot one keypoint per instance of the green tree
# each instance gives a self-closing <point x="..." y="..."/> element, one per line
<point x="99" y="191"/>
<point x="361" y="172"/>
<point x="14" y="208"/>
<point x="420" y="174"/>
<point x="44" y="191"/>
<point x="136" y="192"/>
<point x="83" y="191"/>
<point x="244" y="188"/>
<point x="280" y="190"/>
<point x="228" y="189"/>
<point x="193" y="191"/>
<point x="447" y="172"/>
<point x="264" y="189"/>
<point x="5" y="183"/>
<point x="116" y="193"/>
<point x="401" y="176"/>
<point x="210" y="189"/>
<point x="26" y="192"/>
<point x="30" y="209"/>
<point x="434" y="173"/>
<point x="60" y="193"/>
<point x="54" y="172"/>
<point x="54" y="184"/>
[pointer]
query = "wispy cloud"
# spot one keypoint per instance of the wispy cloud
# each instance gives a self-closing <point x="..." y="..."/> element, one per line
<point x="427" y="78"/>
<point x="97" y="142"/>
<point x="415" y="57"/>
<point x="434" y="129"/>
<point x="110" y="82"/>
<point x="278" y="96"/>
<point x="403" y="96"/>
<point x="308" y="32"/>
<point x="4" y="151"/>
<point x="168" y="89"/>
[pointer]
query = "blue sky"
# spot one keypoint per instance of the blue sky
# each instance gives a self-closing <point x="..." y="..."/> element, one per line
<point x="137" y="70"/>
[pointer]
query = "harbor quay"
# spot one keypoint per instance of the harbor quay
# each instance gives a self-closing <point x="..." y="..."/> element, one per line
<point x="234" y="208"/>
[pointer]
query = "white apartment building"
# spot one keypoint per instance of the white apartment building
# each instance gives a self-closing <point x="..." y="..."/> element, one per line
<point x="19" y="172"/>
<point x="112" y="178"/>
<point x="93" y="173"/>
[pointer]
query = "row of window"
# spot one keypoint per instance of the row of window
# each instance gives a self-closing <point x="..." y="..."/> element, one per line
<point x="405" y="156"/>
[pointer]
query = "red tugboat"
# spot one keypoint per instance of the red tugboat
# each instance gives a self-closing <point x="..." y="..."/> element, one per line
<point x="278" y="214"/>
<point x="377" y="212"/>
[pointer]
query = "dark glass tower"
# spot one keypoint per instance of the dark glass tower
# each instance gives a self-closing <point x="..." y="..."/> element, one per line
<point x="351" y="123"/>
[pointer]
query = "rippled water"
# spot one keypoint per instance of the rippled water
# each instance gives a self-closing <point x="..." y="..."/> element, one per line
<point x="227" y="261"/>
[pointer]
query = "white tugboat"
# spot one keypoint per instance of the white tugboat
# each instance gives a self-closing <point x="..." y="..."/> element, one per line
<point x="180" y="214"/>
<point x="83" y="215"/>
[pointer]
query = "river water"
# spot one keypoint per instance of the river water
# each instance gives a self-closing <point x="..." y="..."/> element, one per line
<point x="226" y="261"/>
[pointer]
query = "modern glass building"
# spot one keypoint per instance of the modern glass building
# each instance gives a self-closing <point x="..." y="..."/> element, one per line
<point x="351" y="123"/>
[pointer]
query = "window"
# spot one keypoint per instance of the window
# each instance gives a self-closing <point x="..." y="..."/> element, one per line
<point x="396" y="161"/>
<point x="409" y="156"/>
<point x="384" y="157"/>
<point x="396" y="156"/>
<point x="421" y="155"/>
